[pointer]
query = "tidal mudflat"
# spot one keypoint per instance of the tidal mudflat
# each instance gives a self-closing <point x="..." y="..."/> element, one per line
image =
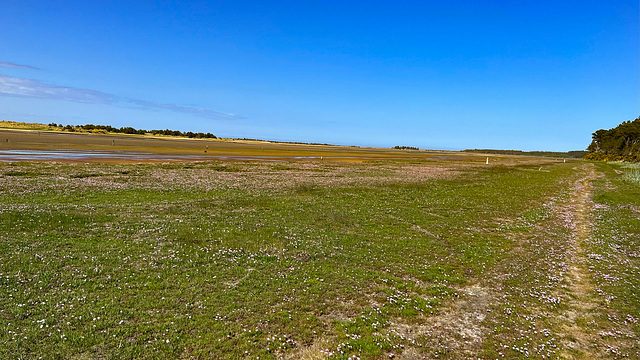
<point x="32" y="145"/>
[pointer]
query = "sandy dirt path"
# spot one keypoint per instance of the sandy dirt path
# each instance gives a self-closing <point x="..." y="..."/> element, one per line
<point x="581" y="299"/>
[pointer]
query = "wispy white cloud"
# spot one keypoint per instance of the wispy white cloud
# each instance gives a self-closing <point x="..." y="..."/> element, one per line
<point x="14" y="86"/>
<point x="202" y="112"/>
<point x="33" y="88"/>
<point x="17" y="66"/>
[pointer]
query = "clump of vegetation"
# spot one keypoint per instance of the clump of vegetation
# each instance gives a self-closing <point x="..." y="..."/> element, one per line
<point x="631" y="172"/>
<point x="405" y="147"/>
<point x="621" y="143"/>
<point x="633" y="176"/>
<point x="598" y="156"/>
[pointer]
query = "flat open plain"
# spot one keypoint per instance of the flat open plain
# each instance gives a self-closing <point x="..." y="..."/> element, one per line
<point x="159" y="149"/>
<point x="384" y="254"/>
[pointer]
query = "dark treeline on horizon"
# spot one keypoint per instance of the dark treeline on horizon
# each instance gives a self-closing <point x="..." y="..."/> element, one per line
<point x="286" y="142"/>
<point x="398" y="147"/>
<point x="569" y="154"/>
<point x="130" y="130"/>
<point x="621" y="143"/>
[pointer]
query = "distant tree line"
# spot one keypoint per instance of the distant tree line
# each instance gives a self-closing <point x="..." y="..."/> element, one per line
<point x="286" y="142"/>
<point x="405" y="148"/>
<point x="130" y="130"/>
<point x="621" y="143"/>
<point x="556" y="154"/>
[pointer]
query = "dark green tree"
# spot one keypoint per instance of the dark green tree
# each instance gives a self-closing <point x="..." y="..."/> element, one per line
<point x="619" y="143"/>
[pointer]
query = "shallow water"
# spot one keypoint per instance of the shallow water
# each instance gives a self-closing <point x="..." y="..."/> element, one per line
<point x="73" y="155"/>
<point x="97" y="156"/>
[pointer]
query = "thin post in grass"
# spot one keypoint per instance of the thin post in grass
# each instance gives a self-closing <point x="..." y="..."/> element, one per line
<point x="487" y="161"/>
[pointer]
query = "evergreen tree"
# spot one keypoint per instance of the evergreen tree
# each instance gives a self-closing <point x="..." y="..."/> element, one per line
<point x="619" y="143"/>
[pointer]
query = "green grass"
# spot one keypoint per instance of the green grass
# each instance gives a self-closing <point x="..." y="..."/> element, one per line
<point x="615" y="258"/>
<point x="244" y="260"/>
<point x="631" y="172"/>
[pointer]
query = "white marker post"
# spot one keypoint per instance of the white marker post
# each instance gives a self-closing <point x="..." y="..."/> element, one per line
<point x="487" y="160"/>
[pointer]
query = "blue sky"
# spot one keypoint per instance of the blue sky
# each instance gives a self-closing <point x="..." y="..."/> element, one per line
<point x="528" y="75"/>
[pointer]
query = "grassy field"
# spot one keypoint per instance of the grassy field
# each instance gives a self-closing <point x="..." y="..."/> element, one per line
<point x="404" y="259"/>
